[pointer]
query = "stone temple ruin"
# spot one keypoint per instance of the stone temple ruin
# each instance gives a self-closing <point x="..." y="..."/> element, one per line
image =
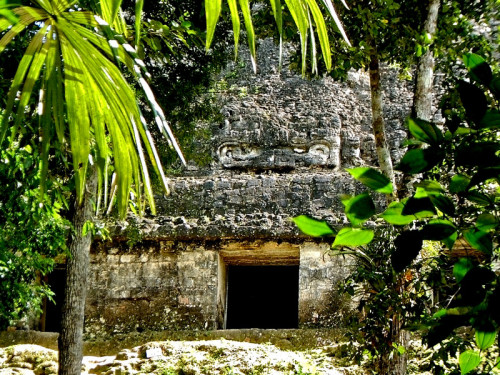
<point x="222" y="252"/>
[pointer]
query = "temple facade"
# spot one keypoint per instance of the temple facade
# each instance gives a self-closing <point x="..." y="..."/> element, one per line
<point x="222" y="252"/>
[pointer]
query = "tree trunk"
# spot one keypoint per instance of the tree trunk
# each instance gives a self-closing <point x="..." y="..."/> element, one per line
<point x="424" y="84"/>
<point x="422" y="99"/>
<point x="378" y="123"/>
<point x="77" y="264"/>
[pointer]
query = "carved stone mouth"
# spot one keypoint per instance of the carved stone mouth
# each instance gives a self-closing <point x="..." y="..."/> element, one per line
<point x="253" y="156"/>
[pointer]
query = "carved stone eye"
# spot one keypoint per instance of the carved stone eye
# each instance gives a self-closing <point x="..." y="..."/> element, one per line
<point x="320" y="149"/>
<point x="236" y="151"/>
<point x="226" y="151"/>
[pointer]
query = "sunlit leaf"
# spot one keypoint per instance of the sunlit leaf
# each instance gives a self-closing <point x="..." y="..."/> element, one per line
<point x="461" y="268"/>
<point x="437" y="230"/>
<point x="353" y="237"/>
<point x="431" y="187"/>
<point x="372" y="178"/>
<point x="212" y="12"/>
<point x="479" y="240"/>
<point x="424" y="131"/>
<point x="359" y="208"/>
<point x="394" y="214"/>
<point x="235" y="19"/>
<point x="479" y="70"/>
<point x="443" y="204"/>
<point x="486" y="222"/>
<point x="419" y="160"/>
<point x="485" y="339"/>
<point x="459" y="183"/>
<point x="245" y="10"/>
<point x="419" y="207"/>
<point x="468" y="361"/>
<point x="312" y="227"/>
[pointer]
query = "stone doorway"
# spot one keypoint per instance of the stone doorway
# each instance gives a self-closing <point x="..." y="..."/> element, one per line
<point x="50" y="321"/>
<point x="262" y="297"/>
<point x="258" y="285"/>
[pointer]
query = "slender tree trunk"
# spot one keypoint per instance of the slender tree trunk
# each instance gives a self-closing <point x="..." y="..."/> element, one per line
<point x="424" y="84"/>
<point x="378" y="123"/>
<point x="423" y="95"/>
<point x="77" y="264"/>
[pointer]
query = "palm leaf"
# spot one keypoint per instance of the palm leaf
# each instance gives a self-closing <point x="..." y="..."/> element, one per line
<point x="333" y="13"/>
<point x="314" y="60"/>
<point x="20" y="76"/>
<point x="245" y="9"/>
<point x="235" y="19"/>
<point x="212" y="12"/>
<point x="278" y="17"/>
<point x="298" y="11"/>
<point x="322" y="32"/>
<point x="139" y="5"/>
<point x="77" y="112"/>
<point x="27" y="16"/>
<point x="45" y="104"/>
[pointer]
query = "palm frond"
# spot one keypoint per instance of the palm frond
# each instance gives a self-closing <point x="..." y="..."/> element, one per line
<point x="73" y="55"/>
<point x="300" y="11"/>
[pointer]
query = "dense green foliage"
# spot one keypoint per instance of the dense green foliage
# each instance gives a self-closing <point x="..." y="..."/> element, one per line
<point x="31" y="234"/>
<point x="455" y="202"/>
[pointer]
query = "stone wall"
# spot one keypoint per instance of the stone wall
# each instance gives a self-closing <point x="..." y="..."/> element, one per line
<point x="177" y="285"/>
<point x="281" y="150"/>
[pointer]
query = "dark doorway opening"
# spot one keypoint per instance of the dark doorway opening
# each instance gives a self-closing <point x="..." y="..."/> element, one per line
<point x="51" y="319"/>
<point x="262" y="297"/>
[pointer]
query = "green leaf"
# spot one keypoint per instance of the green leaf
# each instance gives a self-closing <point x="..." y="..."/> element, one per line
<point x="473" y="100"/>
<point x="139" y="5"/>
<point x="459" y="183"/>
<point x="479" y="70"/>
<point x="419" y="207"/>
<point x="450" y="241"/>
<point x="312" y="227"/>
<point x="359" y="208"/>
<point x="431" y="187"/>
<point x="278" y="16"/>
<point x="235" y="19"/>
<point x="461" y="268"/>
<point x="420" y="160"/>
<point x="486" y="222"/>
<point x="468" y="361"/>
<point x="484" y="174"/>
<point x="485" y="339"/>
<point x="322" y="32"/>
<point x="443" y="204"/>
<point x="331" y="10"/>
<point x="299" y="14"/>
<point x="394" y="214"/>
<point x="425" y="131"/>
<point x="491" y="120"/>
<point x="212" y="12"/>
<point x="480" y="154"/>
<point x="408" y="245"/>
<point x="480" y="198"/>
<point x="372" y="179"/>
<point x="479" y="240"/>
<point x="353" y="237"/>
<point x="439" y="314"/>
<point x="495" y="87"/>
<point x="245" y="9"/>
<point x="437" y="230"/>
